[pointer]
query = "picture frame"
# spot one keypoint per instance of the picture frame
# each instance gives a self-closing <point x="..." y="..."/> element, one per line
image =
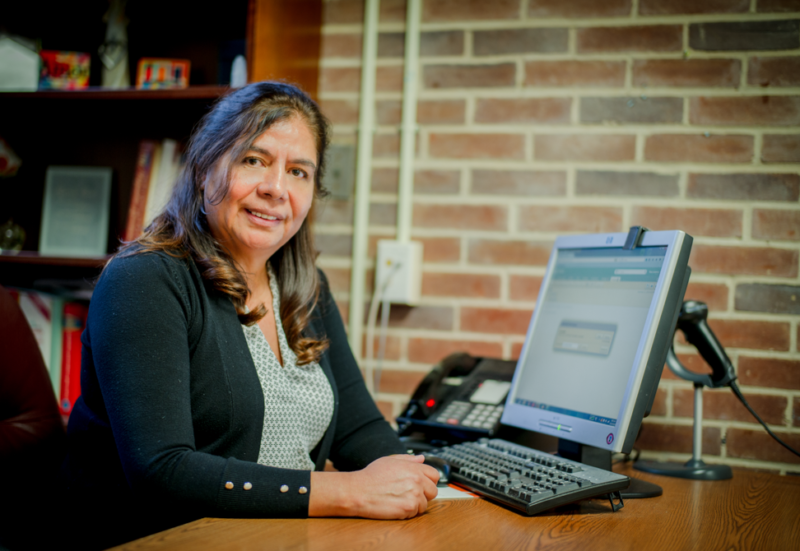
<point x="75" y="213"/>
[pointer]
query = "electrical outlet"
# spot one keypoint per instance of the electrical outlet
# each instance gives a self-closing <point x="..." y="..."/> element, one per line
<point x="399" y="268"/>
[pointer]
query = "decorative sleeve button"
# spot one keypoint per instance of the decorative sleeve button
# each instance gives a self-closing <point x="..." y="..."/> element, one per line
<point x="229" y="485"/>
<point x="302" y="490"/>
<point x="284" y="489"/>
<point x="248" y="486"/>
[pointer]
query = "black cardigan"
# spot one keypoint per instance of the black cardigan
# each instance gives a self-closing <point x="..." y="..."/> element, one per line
<point x="172" y="409"/>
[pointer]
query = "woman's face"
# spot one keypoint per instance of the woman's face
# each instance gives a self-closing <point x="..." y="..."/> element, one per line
<point x="270" y="193"/>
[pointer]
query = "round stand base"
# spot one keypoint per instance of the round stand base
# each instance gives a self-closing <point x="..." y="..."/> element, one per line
<point x="695" y="470"/>
<point x="640" y="489"/>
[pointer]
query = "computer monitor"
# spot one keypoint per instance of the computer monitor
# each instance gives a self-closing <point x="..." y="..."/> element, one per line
<point x="598" y="339"/>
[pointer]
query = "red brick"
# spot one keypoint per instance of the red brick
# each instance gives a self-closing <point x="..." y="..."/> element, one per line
<point x="339" y="79"/>
<point x="428" y="112"/>
<point x="437" y="181"/>
<point x="745" y="187"/>
<point x="699" y="148"/>
<point x="386" y="145"/>
<point x="334" y="245"/>
<point x="659" y="408"/>
<point x="529" y="183"/>
<point x="772" y="6"/>
<point x="687" y="73"/>
<point x="696" y="222"/>
<point x="389" y="79"/>
<point x="578" y="8"/>
<point x="715" y="295"/>
<point x="524" y="287"/>
<point x="738" y="111"/>
<point x="678" y="7"/>
<point x="460" y="285"/>
<point x="461" y="217"/>
<point x="677" y="438"/>
<point x="757" y="444"/>
<point x="477" y="146"/>
<point x="762" y="261"/>
<point x="570" y="219"/>
<point x="440" y="249"/>
<point x="693" y="362"/>
<point x="646" y="184"/>
<point x="334" y="211"/>
<point x="781" y="148"/>
<point x="393" y="11"/>
<point x="439" y="318"/>
<point x="394" y="381"/>
<point x="392" y="351"/>
<point x="340" y="111"/>
<point x="767" y="298"/>
<point x="627" y="110"/>
<point x="469" y="10"/>
<point x="441" y="112"/>
<point x="756" y="335"/>
<point x="469" y="76"/>
<point x="724" y="406"/>
<point x="341" y="45"/>
<point x="584" y="147"/>
<point x="512" y="253"/>
<point x="343" y="11"/>
<point x="516" y="350"/>
<point x="523" y="110"/>
<point x="495" y="320"/>
<point x="773" y="71"/>
<point x="441" y="43"/>
<point x="382" y="214"/>
<point x="781" y="225"/>
<point x="338" y="278"/>
<point x="777" y="34"/>
<point x="645" y="38"/>
<point x="431" y="351"/>
<point x="796" y="412"/>
<point x="769" y="372"/>
<point x="519" y="41"/>
<point x="575" y="73"/>
<point x="385" y="180"/>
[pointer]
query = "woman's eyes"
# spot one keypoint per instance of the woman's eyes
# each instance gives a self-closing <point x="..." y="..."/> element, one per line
<point x="257" y="162"/>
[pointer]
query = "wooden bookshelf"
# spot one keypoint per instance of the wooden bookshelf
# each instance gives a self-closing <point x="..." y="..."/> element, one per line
<point x="103" y="127"/>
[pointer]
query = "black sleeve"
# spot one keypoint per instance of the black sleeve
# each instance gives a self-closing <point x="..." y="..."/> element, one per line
<point x="137" y="337"/>
<point x="362" y="434"/>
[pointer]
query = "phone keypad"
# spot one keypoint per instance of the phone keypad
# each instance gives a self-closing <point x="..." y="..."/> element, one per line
<point x="479" y="416"/>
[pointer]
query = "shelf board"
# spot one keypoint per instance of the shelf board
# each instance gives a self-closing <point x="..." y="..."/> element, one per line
<point x="33" y="257"/>
<point x="193" y="92"/>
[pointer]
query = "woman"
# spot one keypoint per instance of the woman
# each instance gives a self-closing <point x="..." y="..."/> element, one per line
<point x="216" y="376"/>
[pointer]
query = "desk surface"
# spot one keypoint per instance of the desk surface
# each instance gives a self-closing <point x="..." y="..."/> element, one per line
<point x="751" y="511"/>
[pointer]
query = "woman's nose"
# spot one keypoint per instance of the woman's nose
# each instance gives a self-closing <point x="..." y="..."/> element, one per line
<point x="274" y="183"/>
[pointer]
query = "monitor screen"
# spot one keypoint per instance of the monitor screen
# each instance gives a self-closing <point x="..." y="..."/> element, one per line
<point x="590" y="341"/>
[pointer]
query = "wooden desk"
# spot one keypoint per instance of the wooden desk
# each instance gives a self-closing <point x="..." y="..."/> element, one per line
<point x="751" y="511"/>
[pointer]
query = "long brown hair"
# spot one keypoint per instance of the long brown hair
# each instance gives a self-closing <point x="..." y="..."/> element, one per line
<point x="227" y="132"/>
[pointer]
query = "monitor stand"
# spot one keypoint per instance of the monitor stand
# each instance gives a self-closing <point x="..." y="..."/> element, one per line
<point x="601" y="459"/>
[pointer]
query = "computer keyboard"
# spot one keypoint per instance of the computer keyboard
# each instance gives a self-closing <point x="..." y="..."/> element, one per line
<point x="526" y="479"/>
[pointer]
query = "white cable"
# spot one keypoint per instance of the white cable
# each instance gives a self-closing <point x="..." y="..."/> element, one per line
<point x="377" y="295"/>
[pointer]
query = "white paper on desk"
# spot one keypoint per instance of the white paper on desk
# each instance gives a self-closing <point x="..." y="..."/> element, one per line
<point x="448" y="492"/>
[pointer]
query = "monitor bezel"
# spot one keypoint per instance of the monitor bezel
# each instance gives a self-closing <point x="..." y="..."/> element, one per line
<point x="651" y="353"/>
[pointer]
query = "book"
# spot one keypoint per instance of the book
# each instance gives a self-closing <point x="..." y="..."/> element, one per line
<point x="74" y="323"/>
<point x="44" y="315"/>
<point x="163" y="177"/>
<point x="141" y="184"/>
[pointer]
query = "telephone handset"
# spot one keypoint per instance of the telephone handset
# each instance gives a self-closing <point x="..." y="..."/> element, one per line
<point x="462" y="396"/>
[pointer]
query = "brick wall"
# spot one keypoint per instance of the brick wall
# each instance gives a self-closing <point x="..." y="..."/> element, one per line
<point x="545" y="117"/>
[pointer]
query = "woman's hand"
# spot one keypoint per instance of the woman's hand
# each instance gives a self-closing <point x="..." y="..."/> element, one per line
<point x="394" y="487"/>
